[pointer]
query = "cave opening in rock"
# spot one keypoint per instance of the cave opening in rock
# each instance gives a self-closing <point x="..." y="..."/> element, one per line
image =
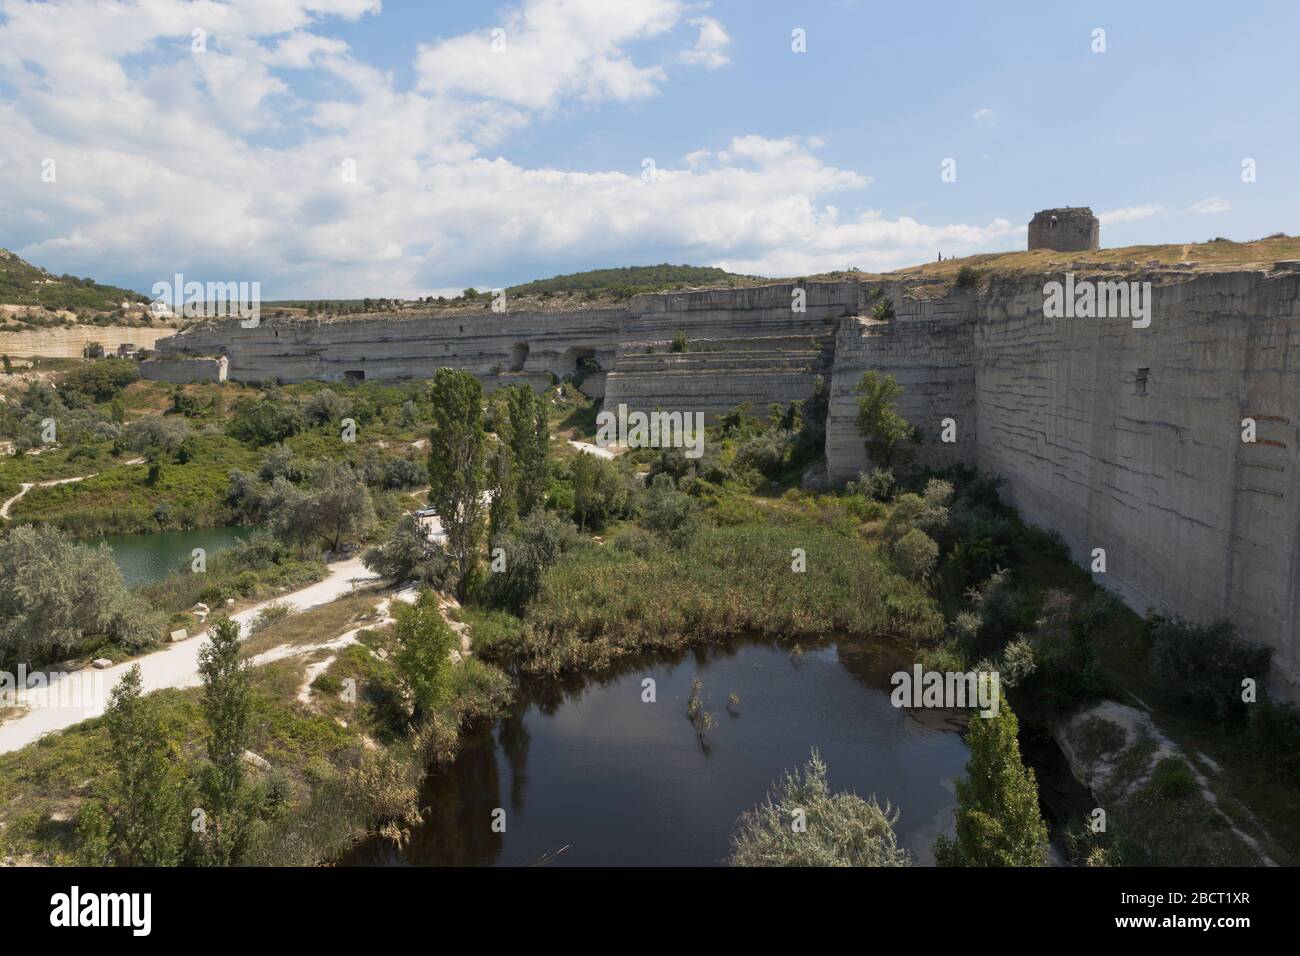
<point x="518" y="356"/>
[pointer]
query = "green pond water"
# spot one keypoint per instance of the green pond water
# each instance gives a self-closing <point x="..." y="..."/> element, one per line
<point x="146" y="558"/>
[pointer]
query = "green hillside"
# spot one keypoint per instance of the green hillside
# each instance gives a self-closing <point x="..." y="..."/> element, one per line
<point x="22" y="283"/>
<point x="628" y="280"/>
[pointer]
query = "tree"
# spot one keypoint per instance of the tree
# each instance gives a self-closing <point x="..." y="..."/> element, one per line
<point x="998" y="821"/>
<point x="878" y="422"/>
<point x="157" y="437"/>
<point x="325" y="407"/>
<point x="599" y="491"/>
<point x="58" y="594"/>
<point x="530" y="447"/>
<point x="333" y="506"/>
<point x="668" y="511"/>
<point x="424" y="657"/>
<point x="146" y="800"/>
<point x="457" y="451"/>
<point x="225" y="676"/>
<point x="409" y="555"/>
<point x="802" y="823"/>
<point x="529" y="548"/>
<point x="916" y="554"/>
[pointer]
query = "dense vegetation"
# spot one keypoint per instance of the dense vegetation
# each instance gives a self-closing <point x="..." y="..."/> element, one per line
<point x="24" y="284"/>
<point x="626" y="281"/>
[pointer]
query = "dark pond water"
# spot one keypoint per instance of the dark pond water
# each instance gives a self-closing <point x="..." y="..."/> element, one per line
<point x="146" y="558"/>
<point x="589" y="766"/>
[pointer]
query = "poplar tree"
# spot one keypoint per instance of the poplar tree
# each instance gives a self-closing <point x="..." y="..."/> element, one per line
<point x="225" y="676"/>
<point x="457" y="459"/>
<point x="530" y="438"/>
<point x="998" y="821"/>
<point x="146" y="801"/>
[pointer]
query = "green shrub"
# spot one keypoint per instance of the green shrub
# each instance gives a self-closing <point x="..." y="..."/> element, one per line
<point x="1204" y="666"/>
<point x="1172" y="779"/>
<point x="916" y="554"/>
<point x="839" y="829"/>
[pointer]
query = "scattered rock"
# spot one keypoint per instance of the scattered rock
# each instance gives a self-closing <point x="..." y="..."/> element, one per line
<point x="100" y="663"/>
<point x="200" y="608"/>
<point x="178" y="635"/>
<point x="261" y="763"/>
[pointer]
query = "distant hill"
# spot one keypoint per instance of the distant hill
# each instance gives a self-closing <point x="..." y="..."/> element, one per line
<point x="628" y="281"/>
<point x="22" y="283"/>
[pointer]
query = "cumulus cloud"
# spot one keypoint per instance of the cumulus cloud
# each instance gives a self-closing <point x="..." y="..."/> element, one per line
<point x="984" y="116"/>
<point x="1210" y="205"/>
<point x="1129" y="214"/>
<point x="281" y="156"/>
<point x="710" y="46"/>
<point x="549" y="49"/>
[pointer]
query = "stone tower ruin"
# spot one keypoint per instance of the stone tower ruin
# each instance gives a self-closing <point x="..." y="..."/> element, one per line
<point x="1072" y="229"/>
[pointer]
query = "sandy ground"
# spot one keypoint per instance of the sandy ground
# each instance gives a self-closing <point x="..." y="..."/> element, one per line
<point x="176" y="665"/>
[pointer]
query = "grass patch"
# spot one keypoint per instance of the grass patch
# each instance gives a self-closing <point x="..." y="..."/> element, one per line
<point x="599" y="604"/>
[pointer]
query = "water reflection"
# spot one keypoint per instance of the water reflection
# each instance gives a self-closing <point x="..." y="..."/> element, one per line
<point x="586" y="767"/>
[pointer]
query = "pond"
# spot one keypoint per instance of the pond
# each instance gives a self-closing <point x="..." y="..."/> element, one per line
<point x="146" y="558"/>
<point x="588" y="774"/>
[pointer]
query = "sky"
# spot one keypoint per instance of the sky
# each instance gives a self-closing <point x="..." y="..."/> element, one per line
<point x="348" y="148"/>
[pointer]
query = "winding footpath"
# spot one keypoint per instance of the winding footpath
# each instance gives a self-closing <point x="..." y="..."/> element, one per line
<point x="176" y="665"/>
<point x="27" y="486"/>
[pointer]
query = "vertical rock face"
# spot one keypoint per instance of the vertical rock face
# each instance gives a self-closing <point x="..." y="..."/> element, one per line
<point x="185" y="369"/>
<point x="757" y="345"/>
<point x="928" y="347"/>
<point x="1120" y="438"/>
<point x="1070" y="229"/>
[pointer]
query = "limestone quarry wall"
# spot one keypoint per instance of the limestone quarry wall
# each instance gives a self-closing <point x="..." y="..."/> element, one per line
<point x="388" y="347"/>
<point x="1130" y="440"/>
<point x="71" y="341"/>
<point x="180" y="369"/>
<point x="1120" y="438"/>
<point x="928" y="347"/>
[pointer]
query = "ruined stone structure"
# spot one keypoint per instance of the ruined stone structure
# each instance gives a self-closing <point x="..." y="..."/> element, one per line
<point x="1119" y="438"/>
<point x="1071" y="229"/>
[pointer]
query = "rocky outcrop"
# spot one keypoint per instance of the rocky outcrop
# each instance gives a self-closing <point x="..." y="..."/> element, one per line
<point x="1148" y="789"/>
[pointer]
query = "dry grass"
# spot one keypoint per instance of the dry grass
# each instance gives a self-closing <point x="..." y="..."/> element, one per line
<point x="322" y="623"/>
<point x="1202" y="256"/>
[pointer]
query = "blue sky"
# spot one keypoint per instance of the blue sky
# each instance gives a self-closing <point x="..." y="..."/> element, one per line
<point x="482" y="167"/>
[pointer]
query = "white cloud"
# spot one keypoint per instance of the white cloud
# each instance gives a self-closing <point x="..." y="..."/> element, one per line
<point x="229" y="164"/>
<point x="985" y="116"/>
<point x="710" y="46"/>
<point x="549" y="49"/>
<point x="1210" y="205"/>
<point x="1129" y="214"/>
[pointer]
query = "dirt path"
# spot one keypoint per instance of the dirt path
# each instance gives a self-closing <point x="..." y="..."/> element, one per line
<point x="27" y="486"/>
<point x="176" y="665"/>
